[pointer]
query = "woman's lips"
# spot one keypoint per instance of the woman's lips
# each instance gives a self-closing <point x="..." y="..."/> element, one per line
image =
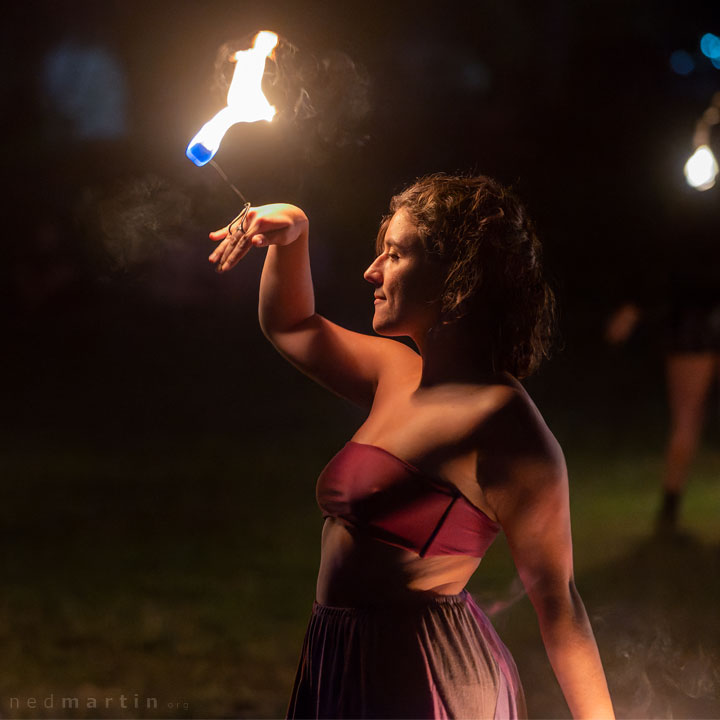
<point x="379" y="300"/>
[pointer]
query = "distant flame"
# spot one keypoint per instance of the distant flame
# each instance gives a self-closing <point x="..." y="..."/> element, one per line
<point x="701" y="169"/>
<point x="245" y="100"/>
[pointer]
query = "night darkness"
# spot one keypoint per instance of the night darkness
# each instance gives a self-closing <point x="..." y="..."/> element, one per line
<point x="158" y="457"/>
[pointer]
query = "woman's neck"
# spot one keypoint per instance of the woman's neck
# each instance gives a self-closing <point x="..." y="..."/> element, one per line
<point x="451" y="354"/>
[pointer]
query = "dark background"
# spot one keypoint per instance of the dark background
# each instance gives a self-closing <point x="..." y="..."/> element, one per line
<point x="573" y="104"/>
<point x="125" y="353"/>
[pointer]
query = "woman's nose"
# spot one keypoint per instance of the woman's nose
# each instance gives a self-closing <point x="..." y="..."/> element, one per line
<point x="373" y="274"/>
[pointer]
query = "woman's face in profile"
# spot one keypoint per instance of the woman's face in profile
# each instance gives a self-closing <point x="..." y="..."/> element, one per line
<point x="407" y="284"/>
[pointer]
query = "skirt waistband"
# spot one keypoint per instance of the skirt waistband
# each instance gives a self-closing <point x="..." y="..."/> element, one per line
<point x="422" y="600"/>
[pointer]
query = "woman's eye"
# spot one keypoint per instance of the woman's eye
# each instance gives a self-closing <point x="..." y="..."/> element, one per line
<point x="393" y="256"/>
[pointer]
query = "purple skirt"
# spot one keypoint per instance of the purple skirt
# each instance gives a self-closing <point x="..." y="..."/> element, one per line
<point x="439" y="658"/>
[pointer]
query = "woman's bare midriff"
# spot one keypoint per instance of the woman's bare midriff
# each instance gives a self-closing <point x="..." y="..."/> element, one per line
<point x="357" y="570"/>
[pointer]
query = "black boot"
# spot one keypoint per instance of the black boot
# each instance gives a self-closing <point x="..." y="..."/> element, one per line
<point x="667" y="519"/>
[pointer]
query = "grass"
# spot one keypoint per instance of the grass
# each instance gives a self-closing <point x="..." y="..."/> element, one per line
<point x="185" y="572"/>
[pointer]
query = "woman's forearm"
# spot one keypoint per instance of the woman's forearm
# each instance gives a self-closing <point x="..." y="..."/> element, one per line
<point x="573" y="654"/>
<point x="286" y="289"/>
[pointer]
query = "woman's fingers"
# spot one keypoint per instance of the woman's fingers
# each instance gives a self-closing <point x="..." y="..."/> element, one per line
<point x="219" y="234"/>
<point x="236" y="253"/>
<point x="227" y="248"/>
<point x="217" y="253"/>
<point x="233" y="250"/>
<point x="238" y="246"/>
<point x="238" y="238"/>
<point x="230" y="235"/>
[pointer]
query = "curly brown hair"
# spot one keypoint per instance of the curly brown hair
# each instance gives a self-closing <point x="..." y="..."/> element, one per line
<point x="480" y="232"/>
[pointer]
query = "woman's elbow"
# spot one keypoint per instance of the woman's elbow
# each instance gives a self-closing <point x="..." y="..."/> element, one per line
<point x="560" y="604"/>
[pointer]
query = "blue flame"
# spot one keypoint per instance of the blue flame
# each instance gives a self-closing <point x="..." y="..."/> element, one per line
<point x="199" y="154"/>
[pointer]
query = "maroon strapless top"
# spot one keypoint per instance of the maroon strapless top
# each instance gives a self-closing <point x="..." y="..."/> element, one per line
<point x="392" y="501"/>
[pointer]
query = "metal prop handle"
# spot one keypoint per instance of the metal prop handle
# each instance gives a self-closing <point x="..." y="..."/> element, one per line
<point x="240" y="217"/>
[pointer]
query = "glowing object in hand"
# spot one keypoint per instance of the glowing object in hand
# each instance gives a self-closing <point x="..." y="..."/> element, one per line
<point x="245" y="99"/>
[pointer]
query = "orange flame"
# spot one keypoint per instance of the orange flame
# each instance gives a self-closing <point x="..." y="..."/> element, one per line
<point x="245" y="99"/>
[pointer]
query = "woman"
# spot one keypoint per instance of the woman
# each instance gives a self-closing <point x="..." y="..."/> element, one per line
<point x="452" y="451"/>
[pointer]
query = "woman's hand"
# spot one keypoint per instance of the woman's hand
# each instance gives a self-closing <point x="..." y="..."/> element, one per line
<point x="276" y="224"/>
<point x="622" y="323"/>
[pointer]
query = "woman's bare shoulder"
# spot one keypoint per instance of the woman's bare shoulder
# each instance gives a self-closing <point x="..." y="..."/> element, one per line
<point x="514" y="438"/>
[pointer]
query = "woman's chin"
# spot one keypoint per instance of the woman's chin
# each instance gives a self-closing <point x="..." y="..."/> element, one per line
<point x="379" y="326"/>
<point x="387" y="329"/>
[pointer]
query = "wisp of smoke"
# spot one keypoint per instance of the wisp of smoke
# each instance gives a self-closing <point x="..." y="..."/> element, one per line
<point x="653" y="673"/>
<point x="499" y="603"/>
<point x="141" y="220"/>
<point x="327" y="99"/>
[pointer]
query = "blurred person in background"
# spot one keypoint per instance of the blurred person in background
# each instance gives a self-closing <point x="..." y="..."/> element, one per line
<point x="692" y="365"/>
<point x="676" y="285"/>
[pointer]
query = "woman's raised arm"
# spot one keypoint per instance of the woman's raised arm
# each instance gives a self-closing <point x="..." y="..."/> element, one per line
<point x="347" y="363"/>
